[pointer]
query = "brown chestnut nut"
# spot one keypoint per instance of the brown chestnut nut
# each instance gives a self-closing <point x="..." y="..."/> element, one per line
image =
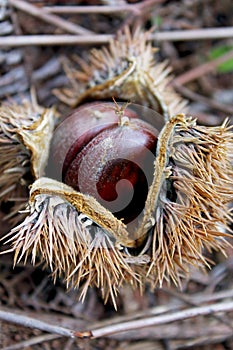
<point x="107" y="152"/>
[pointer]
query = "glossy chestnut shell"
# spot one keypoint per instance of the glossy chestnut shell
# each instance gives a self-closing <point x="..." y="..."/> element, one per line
<point x="108" y="154"/>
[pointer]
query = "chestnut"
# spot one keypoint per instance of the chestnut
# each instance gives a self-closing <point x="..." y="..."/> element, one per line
<point x="108" y="153"/>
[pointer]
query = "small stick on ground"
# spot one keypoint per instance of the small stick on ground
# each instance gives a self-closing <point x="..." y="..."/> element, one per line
<point x="202" y="99"/>
<point x="104" y="9"/>
<point x="157" y="320"/>
<point x="48" y="17"/>
<point x="32" y="341"/>
<point x="205" y="68"/>
<point x="44" y="40"/>
<point x="34" y="323"/>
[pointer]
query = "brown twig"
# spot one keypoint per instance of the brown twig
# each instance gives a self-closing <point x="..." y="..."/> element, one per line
<point x="134" y="8"/>
<point x="199" y="98"/>
<point x="49" y="18"/>
<point x="204" y="298"/>
<point x="183" y="331"/>
<point x="34" y="323"/>
<point x="33" y="341"/>
<point x="194" y="34"/>
<point x="45" y="40"/>
<point x="138" y="17"/>
<point x="199" y="341"/>
<point x="180" y="35"/>
<point x="157" y="320"/>
<point x="115" y="330"/>
<point x="198" y="299"/>
<point x="92" y="9"/>
<point x="202" y="69"/>
<point x="190" y="302"/>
